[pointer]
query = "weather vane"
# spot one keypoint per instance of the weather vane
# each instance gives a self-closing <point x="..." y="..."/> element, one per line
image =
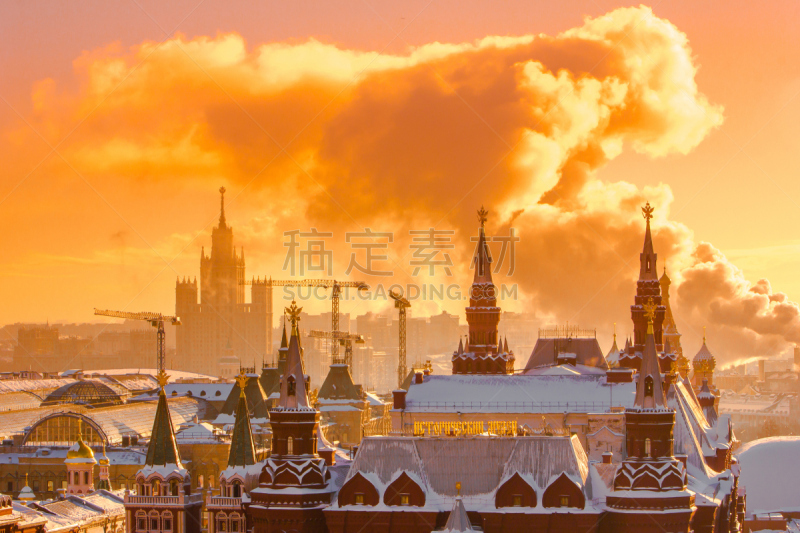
<point x="162" y="378"/>
<point x="241" y="380"/>
<point x="647" y="211"/>
<point x="649" y="310"/>
<point x="294" y="315"/>
<point x="482" y="215"/>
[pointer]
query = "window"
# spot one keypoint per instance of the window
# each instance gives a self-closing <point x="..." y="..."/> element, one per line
<point x="291" y="386"/>
<point x="564" y="501"/>
<point x="359" y="498"/>
<point x="141" y="523"/>
<point x="404" y="499"/>
<point x="648" y="386"/>
<point x="237" y="492"/>
<point x="10" y="486"/>
<point x="200" y="482"/>
<point x="50" y="486"/>
<point x="153" y="523"/>
<point x="173" y="487"/>
<point x="222" y="525"/>
<point x="63" y="485"/>
<point x="35" y="485"/>
<point x="166" y="523"/>
<point x="517" y="500"/>
<point x="235" y="525"/>
<point x="86" y="478"/>
<point x="290" y="446"/>
<point x="647" y="449"/>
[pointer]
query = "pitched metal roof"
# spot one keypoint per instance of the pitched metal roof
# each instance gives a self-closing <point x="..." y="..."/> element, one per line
<point x="243" y="451"/>
<point x="162" y="449"/>
<point x="338" y="385"/>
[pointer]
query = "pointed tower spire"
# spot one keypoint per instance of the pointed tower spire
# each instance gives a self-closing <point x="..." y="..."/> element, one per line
<point x="647" y="259"/>
<point x="243" y="451"/>
<point x="649" y="388"/>
<point x="505" y="344"/>
<point x="293" y="383"/>
<point x="483" y="258"/>
<point x="222" y="223"/>
<point x="162" y="450"/>
<point x="460" y="345"/>
<point x="458" y="521"/>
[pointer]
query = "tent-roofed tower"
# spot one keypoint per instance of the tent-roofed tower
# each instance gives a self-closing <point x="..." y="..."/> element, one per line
<point x="647" y="288"/>
<point x="650" y="472"/>
<point x="240" y="476"/>
<point x="293" y="487"/>
<point x="484" y="354"/>
<point x="164" y="502"/>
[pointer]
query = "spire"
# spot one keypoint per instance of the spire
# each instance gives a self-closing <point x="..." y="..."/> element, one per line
<point x="243" y="451"/>
<point x="458" y="520"/>
<point x="284" y="342"/>
<point x="293" y="382"/>
<point x="614" y="348"/>
<point x="222" y="207"/>
<point x="483" y="258"/>
<point x="460" y="345"/>
<point x="647" y="259"/>
<point x="162" y="449"/>
<point x="649" y="388"/>
<point x="505" y="345"/>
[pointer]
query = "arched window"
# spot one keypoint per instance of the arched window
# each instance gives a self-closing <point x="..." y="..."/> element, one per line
<point x="141" y="521"/>
<point x="173" y="487"/>
<point x="290" y="446"/>
<point x="237" y="490"/>
<point x="86" y="478"/>
<point x="223" y="488"/>
<point x="235" y="523"/>
<point x="154" y="521"/>
<point x="647" y="448"/>
<point x="200" y="481"/>
<point x="156" y="488"/>
<point x="222" y="523"/>
<point x="291" y="386"/>
<point x="166" y="521"/>
<point x="648" y="386"/>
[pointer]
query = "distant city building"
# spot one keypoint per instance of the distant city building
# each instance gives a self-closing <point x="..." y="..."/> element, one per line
<point x="215" y="315"/>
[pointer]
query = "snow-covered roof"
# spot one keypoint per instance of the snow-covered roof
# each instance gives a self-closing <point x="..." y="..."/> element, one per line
<point x="771" y="473"/>
<point x="517" y="393"/>
<point x="437" y="464"/>
<point x="217" y="392"/>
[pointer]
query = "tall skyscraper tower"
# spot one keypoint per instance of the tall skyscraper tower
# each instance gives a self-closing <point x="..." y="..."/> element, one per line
<point x="218" y="316"/>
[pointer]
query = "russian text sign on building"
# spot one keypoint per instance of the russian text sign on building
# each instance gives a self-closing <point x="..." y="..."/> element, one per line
<point x="475" y="427"/>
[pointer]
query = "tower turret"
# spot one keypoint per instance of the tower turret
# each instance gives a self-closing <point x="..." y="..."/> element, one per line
<point x="485" y="353"/>
<point x="647" y="288"/>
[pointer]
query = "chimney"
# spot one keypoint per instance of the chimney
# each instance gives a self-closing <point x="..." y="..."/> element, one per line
<point x="762" y="374"/>
<point x="399" y="397"/>
<point x="418" y="377"/>
<point x="607" y="457"/>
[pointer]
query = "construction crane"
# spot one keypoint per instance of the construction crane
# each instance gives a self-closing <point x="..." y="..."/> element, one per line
<point x="337" y="287"/>
<point x="343" y="338"/>
<point x="401" y="304"/>
<point x="156" y="320"/>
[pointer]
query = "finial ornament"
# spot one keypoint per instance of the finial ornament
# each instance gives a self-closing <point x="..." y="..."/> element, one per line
<point x="647" y="212"/>
<point x="458" y="487"/>
<point x="294" y="316"/>
<point x="162" y="378"/>
<point x="482" y="216"/>
<point x="241" y="380"/>
<point x="704" y="334"/>
<point x="649" y="310"/>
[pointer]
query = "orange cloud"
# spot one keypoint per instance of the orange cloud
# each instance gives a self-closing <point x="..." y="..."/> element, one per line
<point x="343" y="139"/>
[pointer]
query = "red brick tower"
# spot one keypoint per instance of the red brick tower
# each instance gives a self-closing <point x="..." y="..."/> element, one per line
<point x="293" y="487"/>
<point x="647" y="288"/>
<point x="485" y="353"/>
<point x="650" y="492"/>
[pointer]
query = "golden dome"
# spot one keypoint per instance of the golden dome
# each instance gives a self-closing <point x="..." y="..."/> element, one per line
<point x="80" y="450"/>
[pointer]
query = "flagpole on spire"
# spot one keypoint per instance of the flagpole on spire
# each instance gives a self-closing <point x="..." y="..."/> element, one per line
<point x="222" y="207"/>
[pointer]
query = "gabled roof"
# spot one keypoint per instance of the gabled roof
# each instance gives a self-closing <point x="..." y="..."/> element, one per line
<point x="255" y="395"/>
<point x="338" y="385"/>
<point x="586" y="350"/>
<point x="458" y="520"/>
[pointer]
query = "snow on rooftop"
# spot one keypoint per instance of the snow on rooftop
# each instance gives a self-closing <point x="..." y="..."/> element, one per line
<point x="517" y="393"/>
<point x="771" y="473"/>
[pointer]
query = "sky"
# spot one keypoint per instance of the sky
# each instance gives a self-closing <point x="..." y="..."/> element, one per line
<point x="120" y="121"/>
